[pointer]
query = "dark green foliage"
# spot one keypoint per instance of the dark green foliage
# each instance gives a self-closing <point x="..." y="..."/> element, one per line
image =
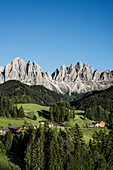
<point x="26" y="94"/>
<point x="8" y="110"/>
<point x="102" y="98"/>
<point x="102" y="150"/>
<point x="6" y="141"/>
<point x="21" y="113"/>
<point x="61" y="111"/>
<point x="98" y="113"/>
<point x="34" y="117"/>
<point x="50" y="148"/>
<point x="35" y="94"/>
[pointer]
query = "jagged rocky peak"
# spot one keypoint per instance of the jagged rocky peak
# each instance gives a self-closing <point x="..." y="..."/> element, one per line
<point x="76" y="78"/>
<point x="1" y="74"/>
<point x="1" y="69"/>
<point x="96" y="75"/>
<point x="107" y="71"/>
<point x="15" y="70"/>
<point x="78" y="66"/>
<point x="72" y="67"/>
<point x="48" y="75"/>
<point x="63" y="68"/>
<point x="55" y="74"/>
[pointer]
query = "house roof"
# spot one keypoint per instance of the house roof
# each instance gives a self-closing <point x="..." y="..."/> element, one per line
<point x="5" y="128"/>
<point x="100" y="122"/>
<point x="14" y="127"/>
<point x="11" y="128"/>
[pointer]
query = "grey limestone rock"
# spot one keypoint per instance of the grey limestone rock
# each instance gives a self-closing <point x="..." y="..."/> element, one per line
<point x="76" y="78"/>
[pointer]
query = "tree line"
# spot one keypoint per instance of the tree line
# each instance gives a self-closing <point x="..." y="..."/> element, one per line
<point x="98" y="113"/>
<point x="49" y="148"/>
<point x="23" y="99"/>
<point x="61" y="111"/>
<point x="102" y="98"/>
<point x="7" y="108"/>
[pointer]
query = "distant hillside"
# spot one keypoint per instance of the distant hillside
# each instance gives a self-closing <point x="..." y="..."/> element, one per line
<point x="38" y="94"/>
<point x="103" y="98"/>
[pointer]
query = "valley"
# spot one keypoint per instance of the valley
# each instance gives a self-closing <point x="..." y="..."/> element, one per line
<point x="34" y="117"/>
<point x="41" y="113"/>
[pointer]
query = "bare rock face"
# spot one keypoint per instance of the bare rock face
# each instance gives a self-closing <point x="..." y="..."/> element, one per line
<point x="15" y="70"/>
<point x="1" y="75"/>
<point x="76" y="78"/>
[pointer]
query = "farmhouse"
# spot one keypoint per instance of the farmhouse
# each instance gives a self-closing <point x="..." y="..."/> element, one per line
<point x="16" y="129"/>
<point x="4" y="131"/>
<point x="50" y="123"/>
<point x="97" y="124"/>
<point x="100" y="124"/>
<point x="12" y="129"/>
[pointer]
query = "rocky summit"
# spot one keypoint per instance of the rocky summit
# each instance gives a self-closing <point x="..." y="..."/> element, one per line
<point x="74" y="79"/>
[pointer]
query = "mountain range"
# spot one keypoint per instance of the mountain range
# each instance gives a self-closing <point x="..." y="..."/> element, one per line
<point x="74" y="79"/>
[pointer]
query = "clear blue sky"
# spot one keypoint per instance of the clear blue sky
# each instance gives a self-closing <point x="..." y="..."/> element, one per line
<point x="56" y="32"/>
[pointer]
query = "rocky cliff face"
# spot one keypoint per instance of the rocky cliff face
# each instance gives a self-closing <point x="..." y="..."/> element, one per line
<point x="76" y="78"/>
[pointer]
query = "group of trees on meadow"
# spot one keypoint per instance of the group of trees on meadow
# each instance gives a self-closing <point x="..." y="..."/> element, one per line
<point x="50" y="148"/>
<point x="61" y="111"/>
<point x="7" y="108"/>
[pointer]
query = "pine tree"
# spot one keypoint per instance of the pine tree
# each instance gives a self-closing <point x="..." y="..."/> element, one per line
<point x="28" y="99"/>
<point x="54" y="155"/>
<point x="14" y="112"/>
<point x="28" y="152"/>
<point x="21" y="113"/>
<point x="38" y="150"/>
<point x="8" y="141"/>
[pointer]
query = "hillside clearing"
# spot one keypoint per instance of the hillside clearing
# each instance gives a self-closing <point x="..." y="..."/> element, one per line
<point x="30" y="110"/>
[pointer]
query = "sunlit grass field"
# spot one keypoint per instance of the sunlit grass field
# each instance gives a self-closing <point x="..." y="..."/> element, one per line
<point x="32" y="109"/>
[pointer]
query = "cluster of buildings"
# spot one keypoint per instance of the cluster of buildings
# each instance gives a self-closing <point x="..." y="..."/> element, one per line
<point x="18" y="129"/>
<point x="12" y="129"/>
<point x="97" y="124"/>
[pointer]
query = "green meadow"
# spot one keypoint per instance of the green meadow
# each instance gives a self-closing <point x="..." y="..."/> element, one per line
<point x="30" y="110"/>
<point x="41" y="114"/>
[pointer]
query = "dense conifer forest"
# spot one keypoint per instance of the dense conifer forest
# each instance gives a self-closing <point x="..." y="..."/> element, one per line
<point x="53" y="149"/>
<point x="38" y="94"/>
<point x="103" y="98"/>
<point x="98" y="113"/>
<point x="61" y="112"/>
<point x="7" y="108"/>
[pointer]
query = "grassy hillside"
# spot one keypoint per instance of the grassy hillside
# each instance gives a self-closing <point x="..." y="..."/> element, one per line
<point x="30" y="110"/>
<point x="79" y="119"/>
<point x="41" y="113"/>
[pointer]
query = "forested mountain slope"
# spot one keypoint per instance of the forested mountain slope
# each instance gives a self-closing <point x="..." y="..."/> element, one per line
<point x="103" y="98"/>
<point x="38" y="94"/>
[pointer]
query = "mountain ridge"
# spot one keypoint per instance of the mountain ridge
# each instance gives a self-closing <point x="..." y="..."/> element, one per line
<point x="74" y="79"/>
